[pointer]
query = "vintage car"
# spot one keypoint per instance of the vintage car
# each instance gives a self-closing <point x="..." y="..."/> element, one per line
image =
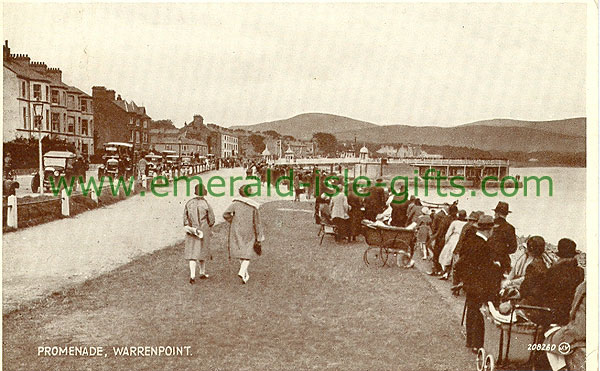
<point x="117" y="160"/>
<point x="58" y="164"/>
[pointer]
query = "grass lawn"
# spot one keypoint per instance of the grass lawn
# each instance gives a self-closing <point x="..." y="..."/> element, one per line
<point x="306" y="307"/>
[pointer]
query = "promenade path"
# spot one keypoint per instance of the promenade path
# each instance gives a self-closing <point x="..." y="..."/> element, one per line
<point x="43" y="259"/>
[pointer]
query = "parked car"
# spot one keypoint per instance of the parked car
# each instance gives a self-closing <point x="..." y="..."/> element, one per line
<point x="57" y="165"/>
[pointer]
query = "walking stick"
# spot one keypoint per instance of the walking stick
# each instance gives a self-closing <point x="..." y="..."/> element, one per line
<point x="462" y="321"/>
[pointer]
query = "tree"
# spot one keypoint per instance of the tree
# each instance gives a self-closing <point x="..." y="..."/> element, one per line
<point x="258" y="143"/>
<point x="326" y="143"/>
<point x="162" y="124"/>
<point x="272" y="133"/>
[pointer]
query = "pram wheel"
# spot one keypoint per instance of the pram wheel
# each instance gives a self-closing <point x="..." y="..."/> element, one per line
<point x="480" y="359"/>
<point x="490" y="364"/>
<point x="375" y="256"/>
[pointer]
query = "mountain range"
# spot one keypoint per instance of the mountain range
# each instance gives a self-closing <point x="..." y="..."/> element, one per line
<point x="568" y="135"/>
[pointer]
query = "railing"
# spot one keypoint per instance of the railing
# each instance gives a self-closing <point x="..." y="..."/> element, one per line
<point x="459" y="162"/>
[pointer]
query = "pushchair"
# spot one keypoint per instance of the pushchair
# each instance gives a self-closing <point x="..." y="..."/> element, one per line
<point x="513" y="346"/>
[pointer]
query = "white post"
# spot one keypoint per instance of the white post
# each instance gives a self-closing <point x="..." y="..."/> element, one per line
<point x="11" y="215"/>
<point x="144" y="181"/>
<point x="94" y="196"/>
<point x="133" y="183"/>
<point x="65" y="203"/>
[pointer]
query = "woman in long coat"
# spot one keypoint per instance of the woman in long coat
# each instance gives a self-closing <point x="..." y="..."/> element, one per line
<point x="245" y="229"/>
<point x="198" y="218"/>
<point x="452" y="236"/>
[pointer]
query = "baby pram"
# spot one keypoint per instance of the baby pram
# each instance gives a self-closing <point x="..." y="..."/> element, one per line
<point x="386" y="243"/>
<point x="510" y="345"/>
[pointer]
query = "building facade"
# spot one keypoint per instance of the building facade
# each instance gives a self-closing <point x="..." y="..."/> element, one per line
<point x="183" y="146"/>
<point x="67" y="112"/>
<point x="118" y="120"/>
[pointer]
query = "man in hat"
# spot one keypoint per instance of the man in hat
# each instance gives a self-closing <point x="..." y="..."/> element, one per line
<point x="481" y="277"/>
<point x="559" y="284"/>
<point x="503" y="241"/>
<point x="467" y="230"/>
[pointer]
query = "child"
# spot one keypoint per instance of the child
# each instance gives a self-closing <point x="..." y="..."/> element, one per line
<point x="424" y="232"/>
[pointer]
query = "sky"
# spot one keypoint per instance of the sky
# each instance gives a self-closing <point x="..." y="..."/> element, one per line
<point x="390" y="63"/>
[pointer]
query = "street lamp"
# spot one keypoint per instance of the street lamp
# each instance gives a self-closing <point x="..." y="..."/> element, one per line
<point x="38" y="108"/>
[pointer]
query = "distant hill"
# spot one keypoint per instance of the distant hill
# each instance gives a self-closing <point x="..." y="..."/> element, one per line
<point x="304" y="125"/>
<point x="498" y="134"/>
<point x="487" y="138"/>
<point x="573" y="127"/>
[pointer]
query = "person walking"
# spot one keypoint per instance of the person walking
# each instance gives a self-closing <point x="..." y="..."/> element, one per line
<point x="481" y="276"/>
<point x="245" y="231"/>
<point x="452" y="236"/>
<point x="198" y="218"/>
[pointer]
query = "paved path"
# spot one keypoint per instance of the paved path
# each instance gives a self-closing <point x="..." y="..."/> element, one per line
<point x="53" y="256"/>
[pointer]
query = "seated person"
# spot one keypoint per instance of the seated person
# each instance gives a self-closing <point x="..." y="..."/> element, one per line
<point x="573" y="333"/>
<point x="556" y="287"/>
<point x="534" y="251"/>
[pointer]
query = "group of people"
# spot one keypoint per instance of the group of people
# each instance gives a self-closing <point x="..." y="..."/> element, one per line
<point x="244" y="237"/>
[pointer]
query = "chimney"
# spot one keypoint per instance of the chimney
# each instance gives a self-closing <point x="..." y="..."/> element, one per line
<point x="119" y="97"/>
<point x="6" y="50"/>
<point x="55" y="74"/>
<point x="38" y="67"/>
<point x="198" y="120"/>
<point x="100" y="92"/>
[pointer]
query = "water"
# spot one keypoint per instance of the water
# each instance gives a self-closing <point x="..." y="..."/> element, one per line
<point x="552" y="217"/>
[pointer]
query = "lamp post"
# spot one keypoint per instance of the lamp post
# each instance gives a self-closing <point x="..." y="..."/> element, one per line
<point x="38" y="108"/>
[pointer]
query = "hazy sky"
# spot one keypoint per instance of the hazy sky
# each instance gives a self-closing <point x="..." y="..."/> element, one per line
<point x="416" y="64"/>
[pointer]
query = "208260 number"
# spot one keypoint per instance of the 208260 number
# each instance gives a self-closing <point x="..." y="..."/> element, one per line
<point x="542" y="347"/>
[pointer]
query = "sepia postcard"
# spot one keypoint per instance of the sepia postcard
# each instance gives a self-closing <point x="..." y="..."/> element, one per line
<point x="293" y="186"/>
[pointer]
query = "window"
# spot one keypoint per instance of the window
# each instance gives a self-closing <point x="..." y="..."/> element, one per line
<point x="24" y="118"/>
<point x="71" y="101"/>
<point x="132" y="136"/>
<point x="64" y="98"/>
<point x="78" y="124"/>
<point x="137" y="122"/>
<point x="55" y="97"/>
<point x="23" y="90"/>
<point x="37" y="91"/>
<point x="145" y="124"/>
<point x="71" y="124"/>
<point x="55" y="121"/>
<point x="47" y="119"/>
<point x="145" y="137"/>
<point x="47" y="94"/>
<point x="137" y="136"/>
<point x="84" y="127"/>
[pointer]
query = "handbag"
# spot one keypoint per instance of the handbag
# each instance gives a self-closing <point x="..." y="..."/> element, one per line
<point x="257" y="248"/>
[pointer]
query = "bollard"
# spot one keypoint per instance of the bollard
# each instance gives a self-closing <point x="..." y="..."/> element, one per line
<point x="94" y="196"/>
<point x="11" y="212"/>
<point x="65" y="210"/>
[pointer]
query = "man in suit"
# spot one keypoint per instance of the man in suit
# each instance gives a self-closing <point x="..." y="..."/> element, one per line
<point x="375" y="202"/>
<point x="481" y="277"/>
<point x="503" y="241"/>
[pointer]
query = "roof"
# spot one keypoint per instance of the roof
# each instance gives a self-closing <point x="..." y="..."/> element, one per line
<point x="131" y="107"/>
<point x="266" y="152"/>
<point x="23" y="70"/>
<point x="59" y="154"/>
<point x="75" y="90"/>
<point x="364" y="150"/>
